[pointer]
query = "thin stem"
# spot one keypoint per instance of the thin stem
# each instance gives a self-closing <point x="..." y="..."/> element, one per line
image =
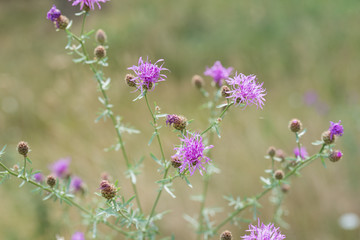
<point x="220" y="116"/>
<point x="99" y="80"/>
<point x="25" y="164"/>
<point x="68" y="199"/>
<point x="83" y="23"/>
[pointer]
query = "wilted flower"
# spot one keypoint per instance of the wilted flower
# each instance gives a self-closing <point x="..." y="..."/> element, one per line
<point x="53" y="14"/>
<point x="147" y="74"/>
<point x="263" y="232"/>
<point x="218" y="72"/>
<point x="88" y="3"/>
<point x="336" y="129"/>
<point x="78" y="236"/>
<point x="61" y="167"/>
<point x="247" y="90"/>
<point x="76" y="184"/>
<point x="191" y="153"/>
<point x="39" y="177"/>
<point x="302" y="153"/>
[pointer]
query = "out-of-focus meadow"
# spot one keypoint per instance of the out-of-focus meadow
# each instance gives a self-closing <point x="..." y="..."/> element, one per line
<point x="307" y="53"/>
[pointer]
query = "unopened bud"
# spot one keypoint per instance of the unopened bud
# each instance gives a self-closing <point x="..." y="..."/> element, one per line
<point x="280" y="154"/>
<point x="326" y="137"/>
<point x="295" y="125"/>
<point x="279" y="174"/>
<point x="335" y="156"/>
<point x="285" y="188"/>
<point x="271" y="151"/>
<point x="62" y="22"/>
<point x="51" y="180"/>
<point x="129" y="79"/>
<point x="175" y="161"/>
<point x="100" y="52"/>
<point x="23" y="148"/>
<point x="225" y="91"/>
<point x="16" y="167"/>
<point x="198" y="81"/>
<point x="226" y="235"/>
<point x="101" y="37"/>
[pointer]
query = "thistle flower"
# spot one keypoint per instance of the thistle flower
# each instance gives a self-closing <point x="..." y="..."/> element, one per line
<point x="78" y="236"/>
<point x="179" y="122"/>
<point x="51" y="180"/>
<point x="295" y="125"/>
<point x="218" y="73"/>
<point x="23" y="148"/>
<point x="76" y="184"/>
<point x="107" y="189"/>
<point x="302" y="153"/>
<point x="53" y="14"/>
<point x="38" y="177"/>
<point x="191" y="153"/>
<point x="147" y="74"/>
<point x="336" y="129"/>
<point x="61" y="167"/>
<point x="247" y="90"/>
<point x="88" y="3"/>
<point x="335" y="156"/>
<point x="263" y="232"/>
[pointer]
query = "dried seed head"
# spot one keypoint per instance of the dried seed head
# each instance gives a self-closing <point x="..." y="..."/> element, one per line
<point x="271" y="151"/>
<point x="51" y="180"/>
<point x="279" y="174"/>
<point x="101" y="37"/>
<point x="225" y="91"/>
<point x="295" y="125"/>
<point x="335" y="156"/>
<point x="285" y="188"/>
<point x="62" y="22"/>
<point x="108" y="190"/>
<point x="23" y="148"/>
<point x="226" y="235"/>
<point x="197" y="81"/>
<point x="175" y="161"/>
<point x="100" y="52"/>
<point x="326" y="137"/>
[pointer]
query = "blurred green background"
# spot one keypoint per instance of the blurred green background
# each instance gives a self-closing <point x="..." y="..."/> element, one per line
<point x="307" y="53"/>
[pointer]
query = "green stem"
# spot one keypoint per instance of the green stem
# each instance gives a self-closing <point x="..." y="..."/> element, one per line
<point x="220" y="116"/>
<point x="68" y="199"/>
<point x="83" y="24"/>
<point x="109" y="112"/>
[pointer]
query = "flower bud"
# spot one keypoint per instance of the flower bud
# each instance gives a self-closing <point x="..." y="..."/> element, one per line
<point x="198" y="81"/>
<point x="226" y="235"/>
<point x="295" y="125"/>
<point x="271" y="151"/>
<point x="335" y="156"/>
<point x="326" y="137"/>
<point x="175" y="161"/>
<point x="279" y="174"/>
<point x="16" y="167"/>
<point x="129" y="79"/>
<point x="225" y="91"/>
<point x="101" y="37"/>
<point x="280" y="154"/>
<point x="100" y="52"/>
<point x="23" y="148"/>
<point x="285" y="188"/>
<point x="62" y="22"/>
<point x="108" y="190"/>
<point x="179" y="122"/>
<point x="51" y="180"/>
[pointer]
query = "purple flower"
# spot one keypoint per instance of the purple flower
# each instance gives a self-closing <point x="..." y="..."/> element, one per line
<point x="218" y="72"/>
<point x="61" y="167"/>
<point x="336" y="129"/>
<point x="191" y="153"/>
<point x="147" y="74"/>
<point x="247" y="90"/>
<point x="263" y="232"/>
<point x="53" y="14"/>
<point x="303" y="153"/>
<point x="89" y="3"/>
<point x="78" y="236"/>
<point x="39" y="177"/>
<point x="76" y="184"/>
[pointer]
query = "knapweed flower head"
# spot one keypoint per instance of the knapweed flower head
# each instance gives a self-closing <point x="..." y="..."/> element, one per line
<point x="191" y="153"/>
<point x="147" y="74"/>
<point x="61" y="167"/>
<point x="38" y="177"/>
<point x="53" y="14"/>
<point x="302" y="153"/>
<point x="336" y="129"/>
<point x="179" y="122"/>
<point x="263" y="232"/>
<point x="76" y="184"/>
<point x="78" y="236"/>
<point x="246" y="90"/>
<point x="88" y="3"/>
<point x="218" y="72"/>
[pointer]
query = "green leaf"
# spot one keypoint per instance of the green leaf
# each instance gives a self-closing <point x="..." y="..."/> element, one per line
<point x="152" y="138"/>
<point x="169" y="191"/>
<point x="318" y="142"/>
<point x="217" y="130"/>
<point x="323" y="161"/>
<point x="188" y="182"/>
<point x="302" y="133"/>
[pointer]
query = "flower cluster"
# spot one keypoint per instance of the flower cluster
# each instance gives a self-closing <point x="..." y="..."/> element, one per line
<point x="218" y="73"/>
<point x="147" y="74"/>
<point x="263" y="232"/>
<point x="191" y="153"/>
<point x="336" y="129"/>
<point x="246" y="90"/>
<point x="88" y="3"/>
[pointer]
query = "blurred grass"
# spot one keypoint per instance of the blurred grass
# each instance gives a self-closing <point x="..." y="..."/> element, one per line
<point x="294" y="47"/>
